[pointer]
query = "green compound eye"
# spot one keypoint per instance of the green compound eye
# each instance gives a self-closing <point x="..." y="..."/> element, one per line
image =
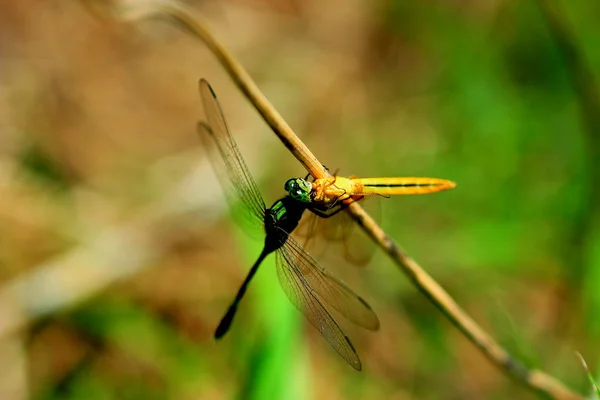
<point x="289" y="185"/>
<point x="299" y="189"/>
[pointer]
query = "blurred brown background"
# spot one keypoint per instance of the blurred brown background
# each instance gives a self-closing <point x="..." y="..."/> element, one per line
<point x="117" y="255"/>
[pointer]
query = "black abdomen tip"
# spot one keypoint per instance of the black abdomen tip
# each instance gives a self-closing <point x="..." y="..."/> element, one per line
<point x="225" y="323"/>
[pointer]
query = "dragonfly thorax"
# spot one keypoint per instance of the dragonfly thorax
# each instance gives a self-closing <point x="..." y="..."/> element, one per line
<point x="281" y="219"/>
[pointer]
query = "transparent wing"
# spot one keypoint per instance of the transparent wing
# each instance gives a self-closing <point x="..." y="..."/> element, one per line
<point x="339" y="235"/>
<point x="307" y="232"/>
<point x="309" y="304"/>
<point x="331" y="290"/>
<point x="228" y="163"/>
<point x="357" y="247"/>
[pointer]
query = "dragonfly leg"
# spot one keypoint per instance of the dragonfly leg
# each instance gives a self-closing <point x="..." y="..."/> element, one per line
<point x="326" y="188"/>
<point x="336" y="201"/>
<point x="326" y="213"/>
<point x="339" y="198"/>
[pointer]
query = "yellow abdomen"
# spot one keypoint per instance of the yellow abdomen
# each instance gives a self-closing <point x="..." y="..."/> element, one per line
<point x="393" y="186"/>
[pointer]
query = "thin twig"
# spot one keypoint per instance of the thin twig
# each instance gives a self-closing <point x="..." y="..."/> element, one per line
<point x="135" y="10"/>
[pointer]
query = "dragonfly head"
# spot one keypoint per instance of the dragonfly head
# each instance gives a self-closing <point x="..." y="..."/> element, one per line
<point x="299" y="189"/>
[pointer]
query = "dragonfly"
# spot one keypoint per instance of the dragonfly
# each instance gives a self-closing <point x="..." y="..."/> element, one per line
<point x="309" y="286"/>
<point x="331" y="191"/>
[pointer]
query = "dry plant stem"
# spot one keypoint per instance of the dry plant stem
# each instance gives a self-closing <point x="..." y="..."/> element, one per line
<point x="536" y="380"/>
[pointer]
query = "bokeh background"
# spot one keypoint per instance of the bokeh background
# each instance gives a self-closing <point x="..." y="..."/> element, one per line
<point x="118" y="255"/>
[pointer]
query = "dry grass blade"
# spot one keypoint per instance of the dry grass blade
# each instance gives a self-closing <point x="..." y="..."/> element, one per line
<point x="189" y="18"/>
<point x="589" y="374"/>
